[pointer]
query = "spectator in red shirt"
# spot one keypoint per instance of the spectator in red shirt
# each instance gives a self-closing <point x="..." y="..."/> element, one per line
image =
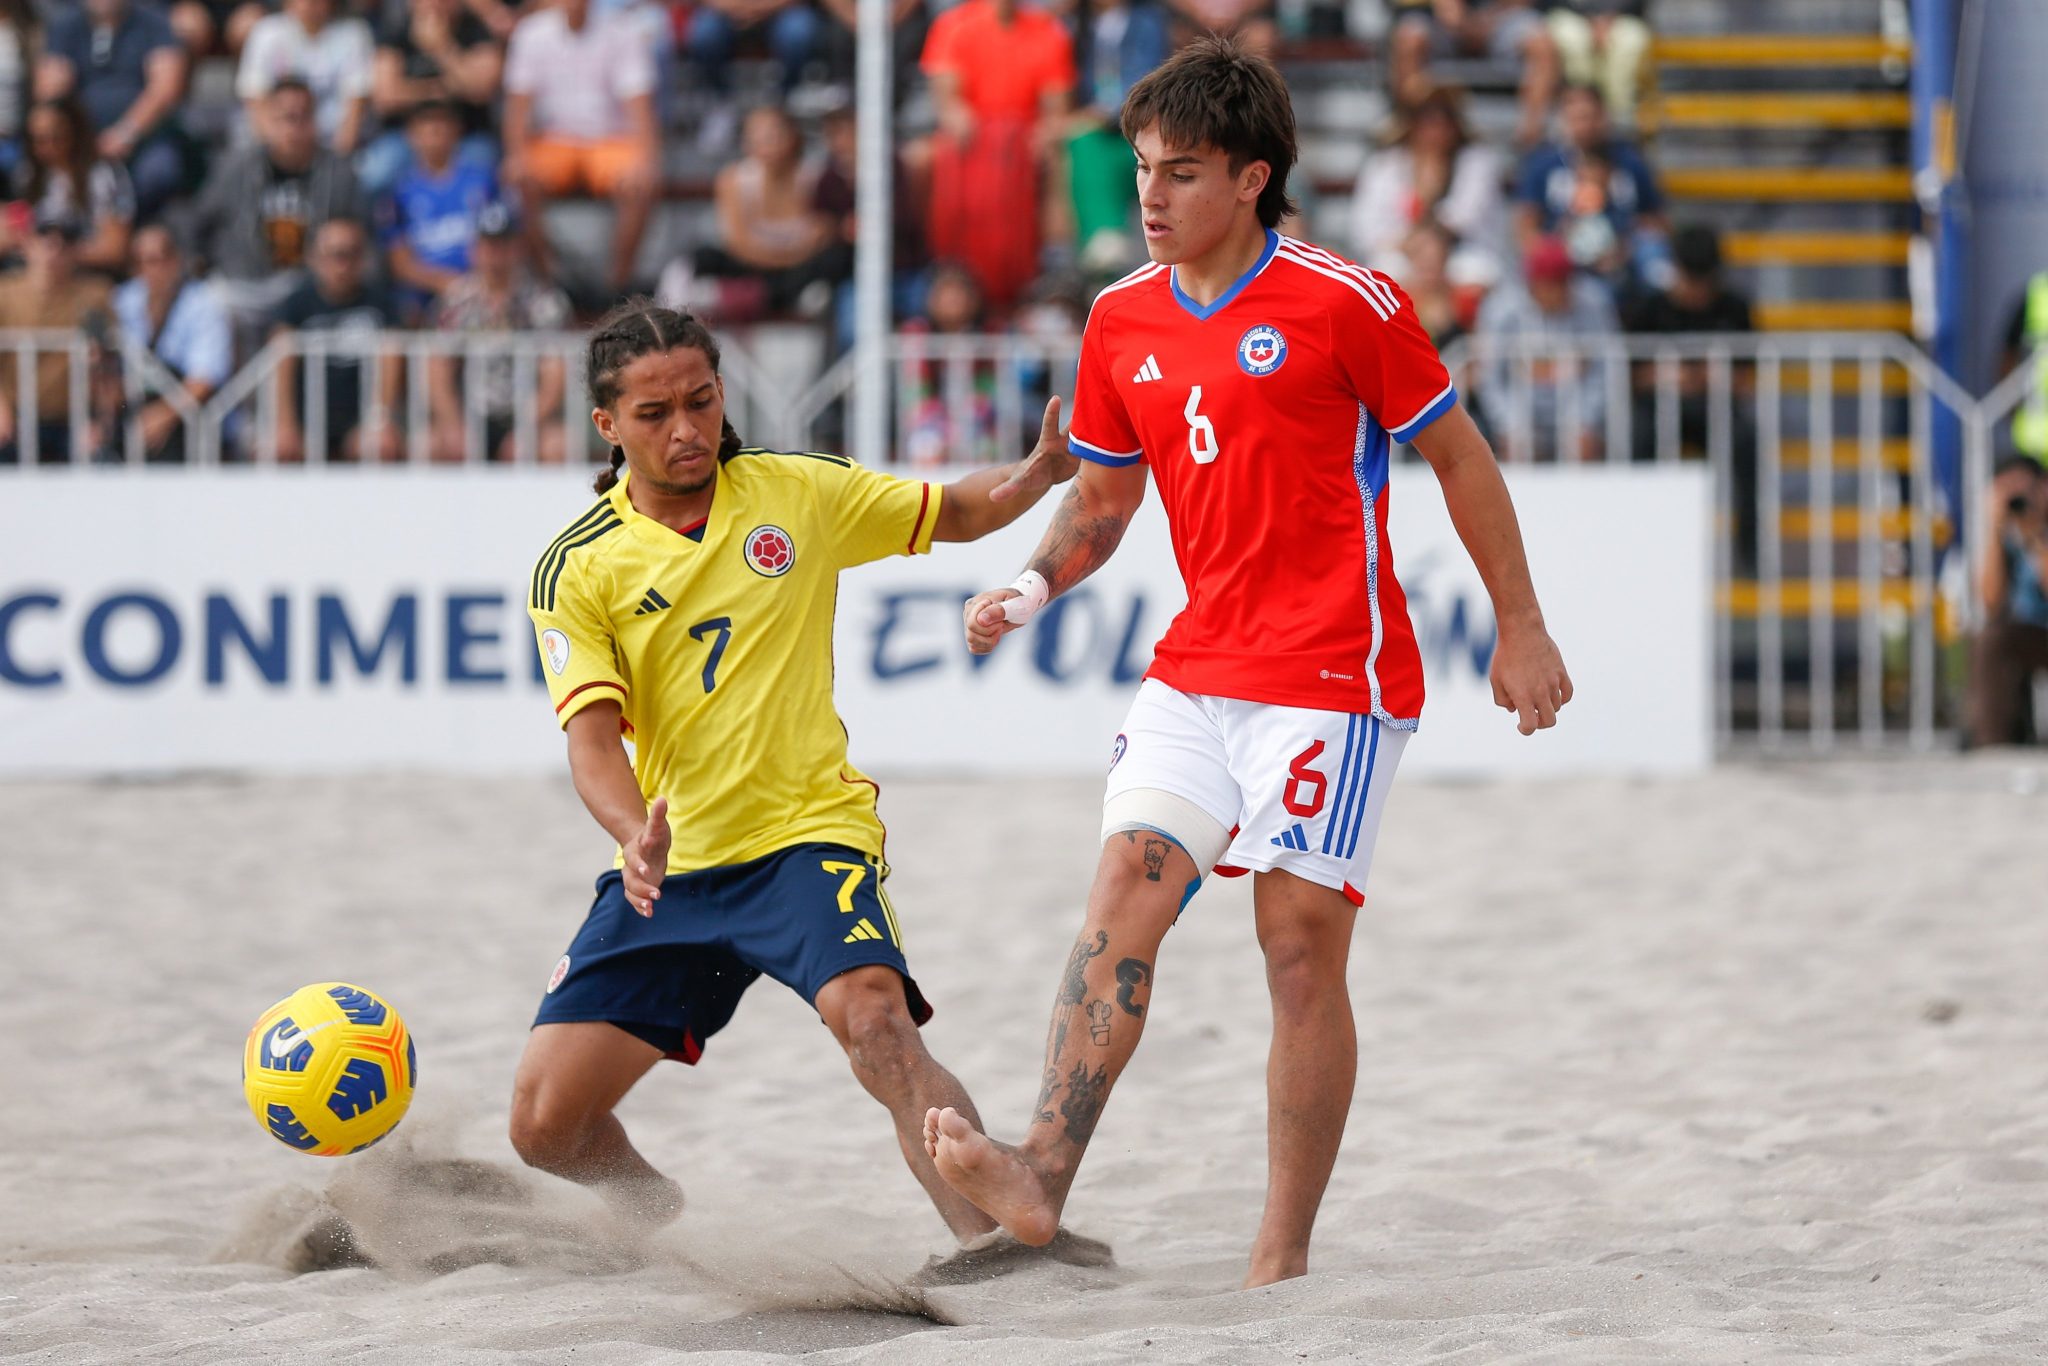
<point x="1001" y="77"/>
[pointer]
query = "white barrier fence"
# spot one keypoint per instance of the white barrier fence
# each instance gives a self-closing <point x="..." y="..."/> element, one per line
<point x="1831" y="610"/>
<point x="232" y="620"/>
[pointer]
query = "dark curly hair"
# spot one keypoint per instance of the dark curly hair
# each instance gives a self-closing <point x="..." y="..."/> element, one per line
<point x="640" y="327"/>
<point x="1215" y="93"/>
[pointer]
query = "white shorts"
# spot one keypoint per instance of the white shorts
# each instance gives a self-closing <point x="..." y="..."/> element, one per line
<point x="1299" y="790"/>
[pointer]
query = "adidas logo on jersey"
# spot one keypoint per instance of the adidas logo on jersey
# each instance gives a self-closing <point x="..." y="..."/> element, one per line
<point x="653" y="602"/>
<point x="1148" y="371"/>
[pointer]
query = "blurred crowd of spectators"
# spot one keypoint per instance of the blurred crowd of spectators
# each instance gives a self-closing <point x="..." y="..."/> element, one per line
<point x="379" y="164"/>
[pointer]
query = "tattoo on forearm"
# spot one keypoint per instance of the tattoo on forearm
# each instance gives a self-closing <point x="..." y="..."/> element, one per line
<point x="1076" y="544"/>
<point x="1131" y="974"/>
<point x="1099" y="1015"/>
<point x="1086" y="1092"/>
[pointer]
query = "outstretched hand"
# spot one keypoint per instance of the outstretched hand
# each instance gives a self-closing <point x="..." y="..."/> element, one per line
<point x="986" y="621"/>
<point x="647" y="859"/>
<point x="1529" y="679"/>
<point x="1049" y="463"/>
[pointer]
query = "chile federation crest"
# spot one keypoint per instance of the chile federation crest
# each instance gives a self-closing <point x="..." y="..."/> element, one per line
<point x="1261" y="350"/>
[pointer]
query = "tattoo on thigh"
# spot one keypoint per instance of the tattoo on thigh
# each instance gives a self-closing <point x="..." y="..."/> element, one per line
<point x="1099" y="1015"/>
<point x="1086" y="1092"/>
<point x="1131" y="974"/>
<point x="1155" y="859"/>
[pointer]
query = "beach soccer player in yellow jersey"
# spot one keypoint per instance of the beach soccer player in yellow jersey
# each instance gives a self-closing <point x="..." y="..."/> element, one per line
<point x="690" y="609"/>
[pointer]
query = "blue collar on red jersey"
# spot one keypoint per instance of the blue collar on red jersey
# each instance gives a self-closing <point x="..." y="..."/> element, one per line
<point x="1223" y="300"/>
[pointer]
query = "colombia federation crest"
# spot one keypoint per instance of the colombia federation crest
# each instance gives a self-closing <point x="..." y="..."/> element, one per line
<point x="770" y="551"/>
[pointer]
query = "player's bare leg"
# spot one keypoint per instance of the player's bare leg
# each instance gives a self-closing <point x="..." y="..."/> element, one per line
<point x="1305" y="932"/>
<point x="570" y="1079"/>
<point x="866" y="1012"/>
<point x="1097" y="1018"/>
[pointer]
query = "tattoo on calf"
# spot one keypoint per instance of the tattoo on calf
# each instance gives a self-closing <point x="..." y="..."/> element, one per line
<point x="1086" y="1092"/>
<point x="1099" y="1015"/>
<point x="1073" y="989"/>
<point x="1074" y="985"/>
<point x="1131" y="974"/>
<point x="1042" y="1112"/>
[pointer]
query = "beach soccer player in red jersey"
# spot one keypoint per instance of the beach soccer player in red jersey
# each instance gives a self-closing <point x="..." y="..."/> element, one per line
<point x="1262" y="382"/>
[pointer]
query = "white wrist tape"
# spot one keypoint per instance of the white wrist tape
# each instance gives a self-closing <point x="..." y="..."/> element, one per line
<point x="1033" y="593"/>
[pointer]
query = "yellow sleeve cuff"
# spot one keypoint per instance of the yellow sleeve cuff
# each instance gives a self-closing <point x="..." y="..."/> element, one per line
<point x="597" y="690"/>
<point x="927" y="520"/>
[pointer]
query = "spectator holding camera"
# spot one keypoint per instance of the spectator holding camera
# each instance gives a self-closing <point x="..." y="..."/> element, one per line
<point x="2012" y="578"/>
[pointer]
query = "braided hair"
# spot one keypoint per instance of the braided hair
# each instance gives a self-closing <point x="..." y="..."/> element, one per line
<point x="640" y="327"/>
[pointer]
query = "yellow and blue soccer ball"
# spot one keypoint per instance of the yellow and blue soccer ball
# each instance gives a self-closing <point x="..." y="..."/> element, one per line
<point x="329" y="1069"/>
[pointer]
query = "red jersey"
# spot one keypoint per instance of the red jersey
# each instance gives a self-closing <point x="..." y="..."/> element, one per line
<point x="1267" y="420"/>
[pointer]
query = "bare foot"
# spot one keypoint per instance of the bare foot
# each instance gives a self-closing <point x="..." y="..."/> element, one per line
<point x="993" y="1176"/>
<point x="644" y="1205"/>
<point x="1269" y="1272"/>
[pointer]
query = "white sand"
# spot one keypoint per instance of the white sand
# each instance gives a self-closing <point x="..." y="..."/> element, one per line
<point x="1652" y="1072"/>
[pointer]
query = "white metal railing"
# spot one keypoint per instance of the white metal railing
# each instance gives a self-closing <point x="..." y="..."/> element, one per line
<point x="106" y="380"/>
<point x="955" y="397"/>
<point x="1845" y="421"/>
<point x="1829" y="612"/>
<point x="514" y="398"/>
<point x="491" y="392"/>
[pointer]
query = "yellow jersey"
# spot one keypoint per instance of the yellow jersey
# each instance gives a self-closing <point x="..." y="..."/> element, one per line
<point x="717" y="644"/>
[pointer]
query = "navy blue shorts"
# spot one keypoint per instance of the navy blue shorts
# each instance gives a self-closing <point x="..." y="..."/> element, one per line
<point x="803" y="915"/>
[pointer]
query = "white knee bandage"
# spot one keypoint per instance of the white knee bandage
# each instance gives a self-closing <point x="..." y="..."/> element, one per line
<point x="1177" y="818"/>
